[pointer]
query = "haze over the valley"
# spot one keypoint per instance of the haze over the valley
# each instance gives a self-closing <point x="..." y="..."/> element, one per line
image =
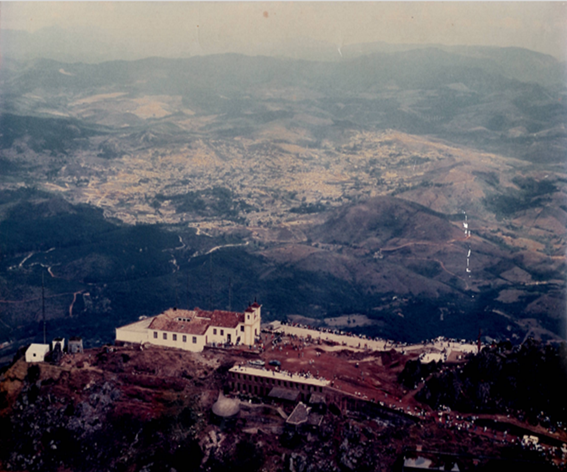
<point x="99" y="31"/>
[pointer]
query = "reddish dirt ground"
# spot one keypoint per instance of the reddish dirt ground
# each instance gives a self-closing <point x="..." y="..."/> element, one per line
<point x="370" y="375"/>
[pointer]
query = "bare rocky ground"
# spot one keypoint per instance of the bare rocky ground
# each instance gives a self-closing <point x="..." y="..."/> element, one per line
<point x="126" y="409"/>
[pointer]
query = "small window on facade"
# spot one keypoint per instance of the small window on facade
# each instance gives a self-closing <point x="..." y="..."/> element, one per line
<point x="164" y="335"/>
<point x="214" y="331"/>
<point x="184" y="338"/>
<point x="175" y="337"/>
<point x="222" y="332"/>
<point x="194" y="339"/>
<point x="256" y="332"/>
<point x="155" y="334"/>
<point x="242" y="328"/>
<point x="248" y="316"/>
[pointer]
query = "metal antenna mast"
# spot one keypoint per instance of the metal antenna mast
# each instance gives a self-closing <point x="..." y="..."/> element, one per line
<point x="188" y="307"/>
<point x="43" y="307"/>
<point x="210" y="282"/>
<point x="230" y="294"/>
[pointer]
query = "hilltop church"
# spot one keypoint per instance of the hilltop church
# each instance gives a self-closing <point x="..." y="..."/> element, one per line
<point x="192" y="330"/>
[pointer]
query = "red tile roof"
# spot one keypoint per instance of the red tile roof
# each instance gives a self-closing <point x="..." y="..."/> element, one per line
<point x="195" y="321"/>
<point x="223" y="319"/>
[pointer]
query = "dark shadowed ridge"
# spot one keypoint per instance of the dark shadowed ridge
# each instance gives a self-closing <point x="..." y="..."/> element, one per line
<point x="385" y="219"/>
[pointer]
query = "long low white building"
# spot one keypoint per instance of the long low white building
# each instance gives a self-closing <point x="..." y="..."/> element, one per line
<point x="264" y="381"/>
<point x="284" y="379"/>
<point x="192" y="330"/>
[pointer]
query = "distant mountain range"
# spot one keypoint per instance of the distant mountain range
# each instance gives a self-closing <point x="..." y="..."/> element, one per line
<point x="94" y="45"/>
<point x="507" y="100"/>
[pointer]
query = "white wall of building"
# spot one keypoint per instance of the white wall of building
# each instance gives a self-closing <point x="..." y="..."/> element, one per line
<point x="216" y="334"/>
<point x="131" y="336"/>
<point x="135" y="332"/>
<point x="187" y="342"/>
<point x="37" y="352"/>
<point x="252" y="326"/>
<point x="244" y="333"/>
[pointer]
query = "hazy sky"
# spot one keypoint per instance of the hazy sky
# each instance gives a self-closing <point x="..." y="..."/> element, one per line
<point x="169" y="28"/>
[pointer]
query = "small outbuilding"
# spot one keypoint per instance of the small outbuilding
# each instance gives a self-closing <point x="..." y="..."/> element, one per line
<point x="37" y="352"/>
<point x="226" y="407"/>
<point x="225" y="410"/>
<point x="274" y="325"/>
<point x="75" y="345"/>
<point x="58" y="342"/>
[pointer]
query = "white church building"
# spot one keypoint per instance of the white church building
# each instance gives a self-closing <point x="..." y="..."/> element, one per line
<point x="192" y="330"/>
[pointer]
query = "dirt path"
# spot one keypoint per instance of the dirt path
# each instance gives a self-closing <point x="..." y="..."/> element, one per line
<point x="73" y="302"/>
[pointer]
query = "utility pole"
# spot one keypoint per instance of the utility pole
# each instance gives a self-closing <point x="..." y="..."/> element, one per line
<point x="188" y="306"/>
<point x="43" y="307"/>
<point x="230" y="294"/>
<point x="210" y="282"/>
